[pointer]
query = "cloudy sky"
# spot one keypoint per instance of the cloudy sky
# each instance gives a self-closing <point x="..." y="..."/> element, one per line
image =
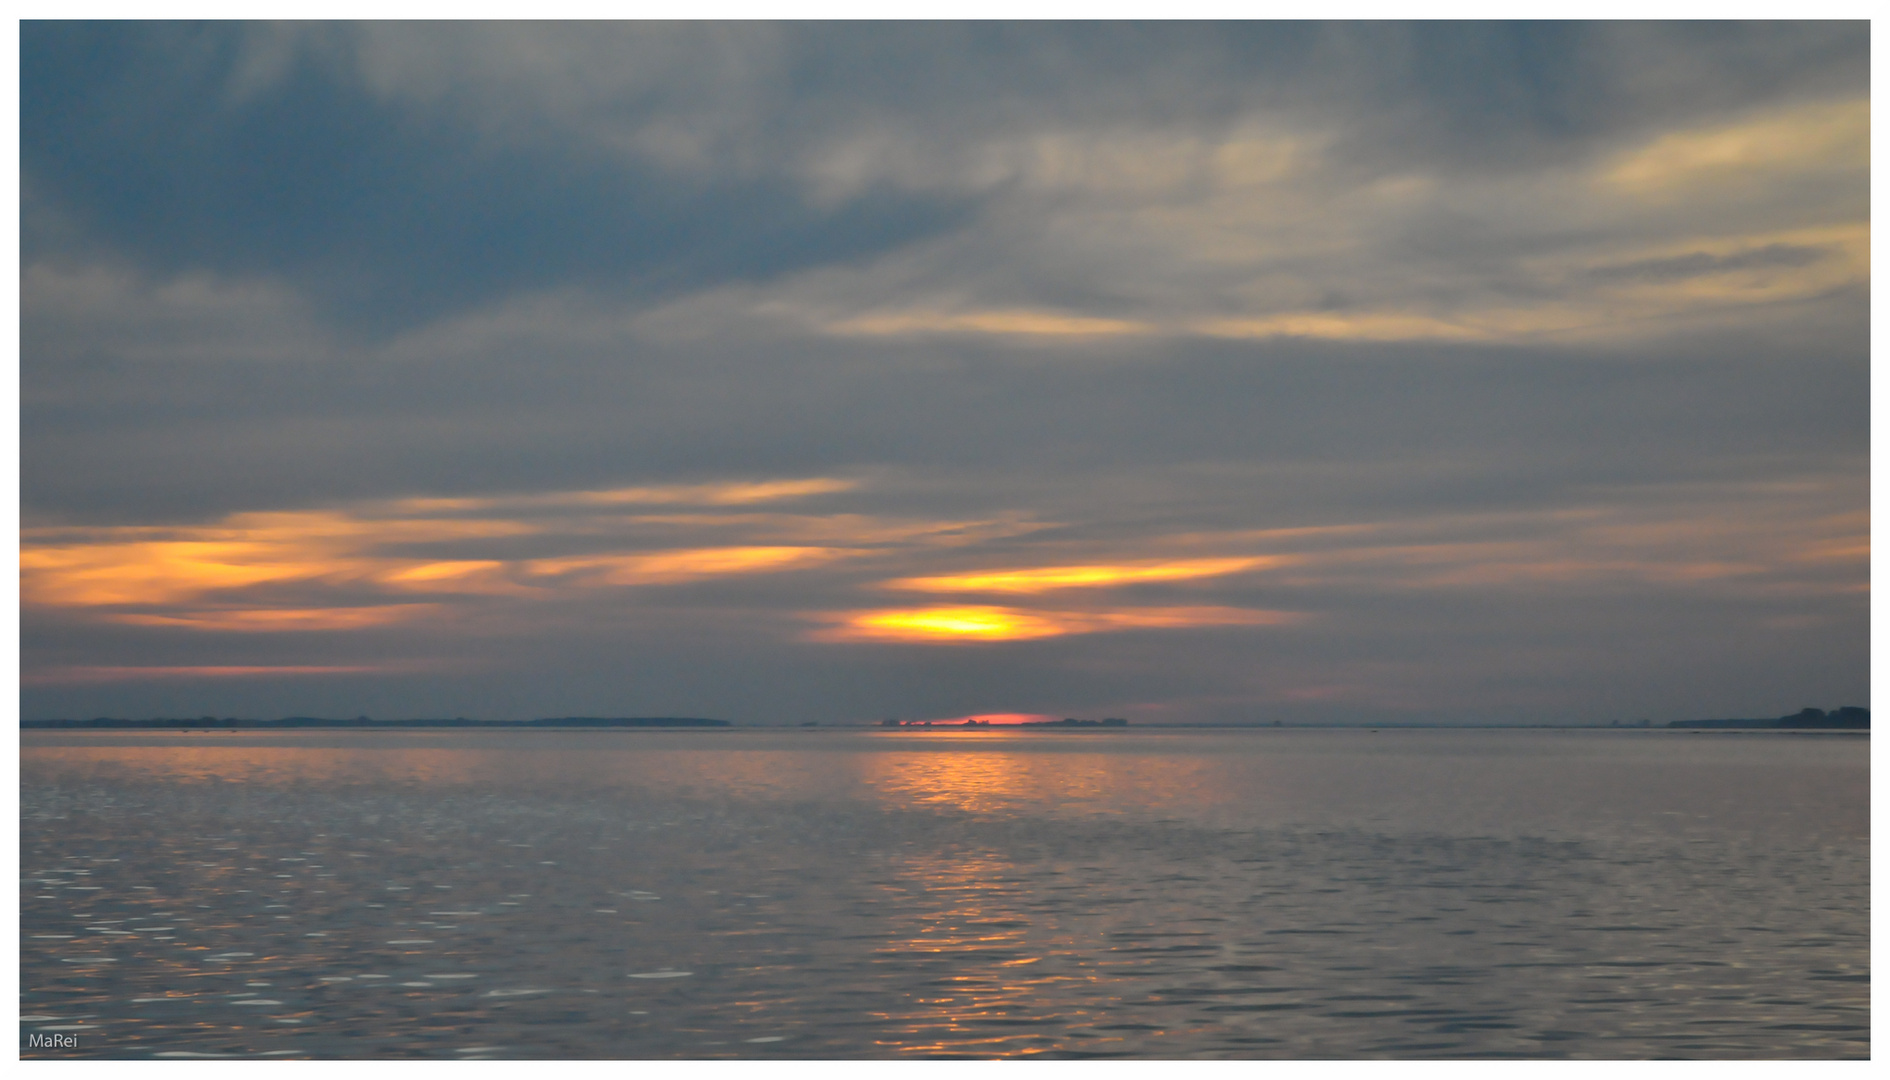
<point x="1356" y="373"/>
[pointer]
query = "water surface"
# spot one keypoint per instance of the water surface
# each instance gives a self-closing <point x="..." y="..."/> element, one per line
<point x="847" y="894"/>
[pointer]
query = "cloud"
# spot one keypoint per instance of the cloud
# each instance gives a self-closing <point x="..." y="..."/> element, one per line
<point x="1044" y="578"/>
<point x="730" y="368"/>
<point x="90" y="674"/>
<point x="1168" y="176"/>
<point x="1027" y="323"/>
<point x="116" y="566"/>
<point x="1262" y="236"/>
<point x="282" y="619"/>
<point x="983" y="623"/>
<point x="674" y="566"/>
<point x="225" y="149"/>
<point x="1764" y="151"/>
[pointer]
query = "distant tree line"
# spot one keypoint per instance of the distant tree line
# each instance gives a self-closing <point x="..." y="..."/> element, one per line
<point x="1850" y="716"/>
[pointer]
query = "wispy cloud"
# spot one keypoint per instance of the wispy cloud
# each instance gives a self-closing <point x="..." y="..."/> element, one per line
<point x="979" y="623"/>
<point x="280" y="619"/>
<point x="1755" y="153"/>
<point x="668" y="567"/>
<point x="1044" y="578"/>
<point x="1047" y="324"/>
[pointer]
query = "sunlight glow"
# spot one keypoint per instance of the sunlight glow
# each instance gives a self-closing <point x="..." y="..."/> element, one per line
<point x="941" y="625"/>
<point x="952" y="624"/>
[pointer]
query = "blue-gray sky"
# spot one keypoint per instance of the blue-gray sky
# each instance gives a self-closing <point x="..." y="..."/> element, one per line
<point x="1182" y="372"/>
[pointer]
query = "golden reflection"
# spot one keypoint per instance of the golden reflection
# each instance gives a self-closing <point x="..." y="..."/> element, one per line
<point x="964" y="779"/>
<point x="973" y="916"/>
<point x="987" y="623"/>
<point x="1000" y="770"/>
<point x="1041" y="579"/>
<point x="966" y="922"/>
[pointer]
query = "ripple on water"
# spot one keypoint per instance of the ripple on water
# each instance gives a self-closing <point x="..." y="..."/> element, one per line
<point x="660" y="974"/>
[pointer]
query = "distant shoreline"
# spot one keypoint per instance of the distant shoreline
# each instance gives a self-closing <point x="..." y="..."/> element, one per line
<point x="1696" y="727"/>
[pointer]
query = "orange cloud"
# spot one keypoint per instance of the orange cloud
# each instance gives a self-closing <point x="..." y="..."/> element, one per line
<point x="458" y="576"/>
<point x="939" y="625"/>
<point x="736" y="493"/>
<point x="157" y="572"/>
<point x="841" y="529"/>
<point x="267" y="620"/>
<point x="667" y="567"/>
<point x="1041" y="579"/>
<point x="159" y="566"/>
<point x="94" y="567"/>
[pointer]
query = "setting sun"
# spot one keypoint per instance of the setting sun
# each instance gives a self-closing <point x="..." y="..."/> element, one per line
<point x="949" y="624"/>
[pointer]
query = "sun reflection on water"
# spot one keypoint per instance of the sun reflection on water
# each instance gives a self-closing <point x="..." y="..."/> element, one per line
<point x="989" y="988"/>
<point x="958" y="776"/>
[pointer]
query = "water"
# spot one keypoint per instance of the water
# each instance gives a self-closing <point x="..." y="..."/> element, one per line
<point x="840" y="894"/>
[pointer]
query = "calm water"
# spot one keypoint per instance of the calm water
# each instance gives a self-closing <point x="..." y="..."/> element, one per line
<point x="833" y="894"/>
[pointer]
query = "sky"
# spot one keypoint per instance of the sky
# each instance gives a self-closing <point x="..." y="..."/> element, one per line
<point x="1186" y="373"/>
